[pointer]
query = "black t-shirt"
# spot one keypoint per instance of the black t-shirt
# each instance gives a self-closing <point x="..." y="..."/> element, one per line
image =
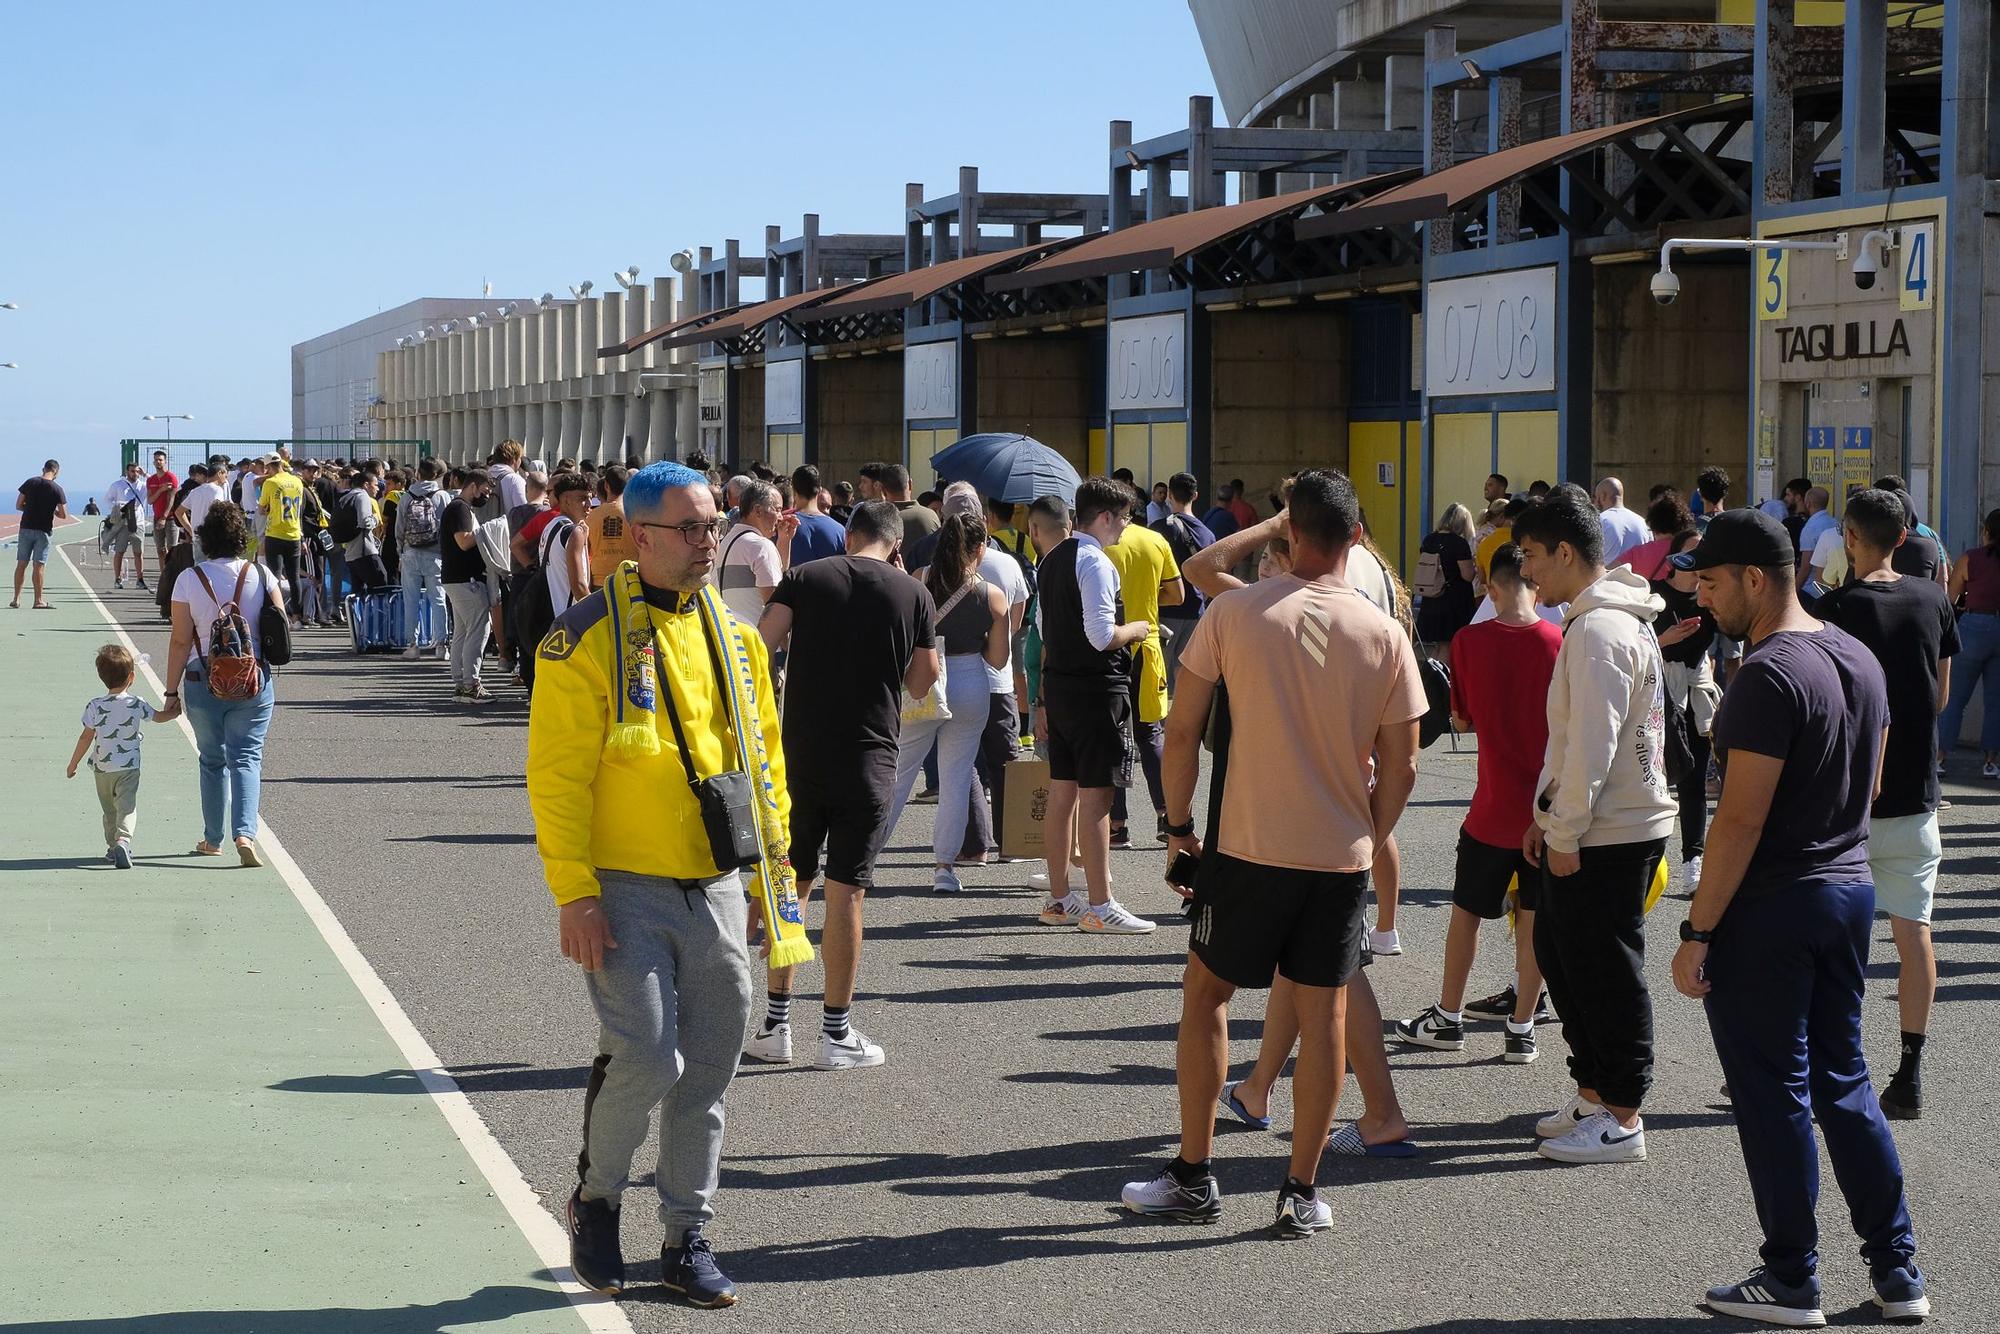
<point x="1917" y="557"/>
<point x="456" y="566"/>
<point x="1908" y="625"/>
<point x="40" y="499"/>
<point x="855" y="625"/>
<point x="1817" y="701"/>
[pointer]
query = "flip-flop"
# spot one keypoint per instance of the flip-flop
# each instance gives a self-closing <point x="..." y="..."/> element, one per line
<point x="1230" y="1103"/>
<point x="202" y="850"/>
<point x="1346" y="1141"/>
<point x="45" y="606"/>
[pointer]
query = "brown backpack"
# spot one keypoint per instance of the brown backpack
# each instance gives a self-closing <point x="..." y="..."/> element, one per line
<point x="229" y="667"/>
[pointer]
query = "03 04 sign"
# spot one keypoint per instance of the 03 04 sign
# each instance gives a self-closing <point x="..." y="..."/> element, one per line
<point x="1493" y="334"/>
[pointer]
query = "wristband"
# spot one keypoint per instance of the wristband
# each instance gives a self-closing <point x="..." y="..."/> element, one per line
<point x="1185" y="830"/>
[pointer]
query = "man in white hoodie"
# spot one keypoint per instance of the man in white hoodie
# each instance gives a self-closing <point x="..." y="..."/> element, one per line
<point x="1602" y="815"/>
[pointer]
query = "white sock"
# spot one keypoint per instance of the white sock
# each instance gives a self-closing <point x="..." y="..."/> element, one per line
<point x="1518" y="1029"/>
<point x="1451" y="1016"/>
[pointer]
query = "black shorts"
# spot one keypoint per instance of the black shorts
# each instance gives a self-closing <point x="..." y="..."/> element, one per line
<point x="848" y="815"/>
<point x="1252" y="921"/>
<point x="1485" y="872"/>
<point x="1090" y="739"/>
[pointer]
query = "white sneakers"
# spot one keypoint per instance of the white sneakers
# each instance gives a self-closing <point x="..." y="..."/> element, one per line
<point x="412" y="653"/>
<point x="1567" y="1118"/>
<point x="1598" y="1138"/>
<point x="1112" y="919"/>
<point x="1691" y="873"/>
<point x="772" y="1046"/>
<point x="1385" y="944"/>
<point x="853" y="1054"/>
<point x="1040" y="880"/>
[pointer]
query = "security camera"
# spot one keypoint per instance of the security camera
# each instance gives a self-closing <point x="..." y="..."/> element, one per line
<point x="1666" y="286"/>
<point x="1869" y="260"/>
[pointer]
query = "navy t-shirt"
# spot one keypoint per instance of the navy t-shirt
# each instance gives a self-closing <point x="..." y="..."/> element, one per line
<point x="1819" y="703"/>
<point x="818" y="536"/>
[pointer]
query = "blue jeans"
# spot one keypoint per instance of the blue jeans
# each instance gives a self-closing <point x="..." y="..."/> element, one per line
<point x="966" y="694"/>
<point x="1787" y="968"/>
<point x="421" y="571"/>
<point x="229" y="741"/>
<point x="1978" y="657"/>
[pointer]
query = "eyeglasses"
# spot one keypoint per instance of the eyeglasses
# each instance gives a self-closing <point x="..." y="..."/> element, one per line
<point x="694" y="534"/>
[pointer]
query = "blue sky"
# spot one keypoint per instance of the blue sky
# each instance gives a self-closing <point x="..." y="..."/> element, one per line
<point x="192" y="189"/>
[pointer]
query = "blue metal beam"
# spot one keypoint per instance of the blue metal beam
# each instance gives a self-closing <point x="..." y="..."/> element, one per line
<point x="1542" y="44"/>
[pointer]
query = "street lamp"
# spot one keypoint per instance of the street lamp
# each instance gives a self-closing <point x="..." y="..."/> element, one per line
<point x="169" y="418"/>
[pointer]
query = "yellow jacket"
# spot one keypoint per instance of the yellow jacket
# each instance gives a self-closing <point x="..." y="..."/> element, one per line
<point x="596" y="810"/>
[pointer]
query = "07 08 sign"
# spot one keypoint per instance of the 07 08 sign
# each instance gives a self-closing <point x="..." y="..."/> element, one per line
<point x="1492" y="334"/>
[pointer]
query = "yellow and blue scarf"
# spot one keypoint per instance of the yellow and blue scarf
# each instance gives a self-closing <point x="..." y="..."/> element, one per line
<point x="635" y="731"/>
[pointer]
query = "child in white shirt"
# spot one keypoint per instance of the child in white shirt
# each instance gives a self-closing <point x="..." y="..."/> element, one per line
<point x="111" y="737"/>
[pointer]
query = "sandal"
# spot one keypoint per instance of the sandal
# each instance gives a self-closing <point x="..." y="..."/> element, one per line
<point x="1230" y="1103"/>
<point x="247" y="854"/>
<point x="205" y="849"/>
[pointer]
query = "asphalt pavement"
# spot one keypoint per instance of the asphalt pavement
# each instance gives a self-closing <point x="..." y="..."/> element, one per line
<point x="972" y="1182"/>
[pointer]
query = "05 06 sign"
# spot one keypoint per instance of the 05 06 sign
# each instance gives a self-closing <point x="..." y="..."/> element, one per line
<point x="1148" y="363"/>
<point x="1493" y="334"/>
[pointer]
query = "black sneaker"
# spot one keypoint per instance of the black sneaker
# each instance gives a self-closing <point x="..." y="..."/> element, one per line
<point x="1431" y="1029"/>
<point x="594" y="1254"/>
<point x="1121" y="839"/>
<point x="1520" y="1047"/>
<point x="1160" y="826"/>
<point x="690" y="1269"/>
<point x="1300" y="1214"/>
<point x="1903" y="1099"/>
<point x="1493" y="1009"/>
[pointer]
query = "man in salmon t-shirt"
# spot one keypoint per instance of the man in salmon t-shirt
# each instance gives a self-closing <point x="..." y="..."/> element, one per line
<point x="1319" y="680"/>
<point x="1500" y="689"/>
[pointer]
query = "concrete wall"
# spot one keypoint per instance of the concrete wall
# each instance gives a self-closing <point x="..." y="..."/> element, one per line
<point x="1989" y="383"/>
<point x="746" y="400"/>
<point x="1041" y="386"/>
<point x="1278" y="396"/>
<point x="858" y="407"/>
<point x="1672" y="391"/>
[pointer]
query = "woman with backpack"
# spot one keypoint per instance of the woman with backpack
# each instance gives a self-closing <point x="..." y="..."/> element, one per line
<point x="1445" y="572"/>
<point x="217" y="672"/>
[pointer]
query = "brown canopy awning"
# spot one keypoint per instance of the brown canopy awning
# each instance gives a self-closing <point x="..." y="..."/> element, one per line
<point x="1449" y="189"/>
<point x="1165" y="241"/>
<point x="746" y="318"/>
<point x="918" y="285"/>
<point x="637" y="341"/>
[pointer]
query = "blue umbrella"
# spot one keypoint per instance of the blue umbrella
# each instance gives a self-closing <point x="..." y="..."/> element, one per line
<point x="1017" y="469"/>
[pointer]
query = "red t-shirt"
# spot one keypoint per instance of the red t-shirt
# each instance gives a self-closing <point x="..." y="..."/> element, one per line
<point x="160" y="488"/>
<point x="1500" y="683"/>
<point x="532" y="530"/>
<point x="1246" y="517"/>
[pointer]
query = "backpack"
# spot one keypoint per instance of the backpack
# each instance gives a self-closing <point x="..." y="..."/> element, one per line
<point x="1429" y="580"/>
<point x="417" y="519"/>
<point x="345" y="523"/>
<point x="1436" y="679"/>
<point x="538" y="606"/>
<point x="230" y="664"/>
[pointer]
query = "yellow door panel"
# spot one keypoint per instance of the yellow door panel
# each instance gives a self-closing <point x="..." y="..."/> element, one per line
<point x="1461" y="457"/>
<point x="1528" y="450"/>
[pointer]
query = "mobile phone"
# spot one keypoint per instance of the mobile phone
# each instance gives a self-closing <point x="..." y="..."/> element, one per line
<point x="1181" y="871"/>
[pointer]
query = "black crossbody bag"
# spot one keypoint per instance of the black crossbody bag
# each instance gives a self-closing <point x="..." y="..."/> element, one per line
<point x="728" y="809"/>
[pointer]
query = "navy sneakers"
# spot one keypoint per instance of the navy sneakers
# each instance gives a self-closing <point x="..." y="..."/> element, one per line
<point x="690" y="1269"/>
<point x="1900" y="1295"/>
<point x="594" y="1255"/>
<point x="1761" y="1297"/>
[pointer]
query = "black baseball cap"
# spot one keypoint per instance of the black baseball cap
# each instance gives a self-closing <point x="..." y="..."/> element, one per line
<point x="1740" y="537"/>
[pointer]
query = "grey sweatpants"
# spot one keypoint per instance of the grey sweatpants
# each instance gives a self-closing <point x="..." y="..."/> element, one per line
<point x="672" y="1001"/>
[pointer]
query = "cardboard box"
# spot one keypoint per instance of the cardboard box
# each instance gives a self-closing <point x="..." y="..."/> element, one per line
<point x="1027" y="805"/>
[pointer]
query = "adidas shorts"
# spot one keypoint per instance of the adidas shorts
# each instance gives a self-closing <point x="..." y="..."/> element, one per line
<point x="1254" y="922"/>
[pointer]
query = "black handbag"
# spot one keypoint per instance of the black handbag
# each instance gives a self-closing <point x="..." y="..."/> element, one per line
<point x="728" y="806"/>
<point x="274" y="631"/>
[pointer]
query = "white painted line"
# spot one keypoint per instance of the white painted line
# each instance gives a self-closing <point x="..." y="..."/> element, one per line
<point x="600" y="1314"/>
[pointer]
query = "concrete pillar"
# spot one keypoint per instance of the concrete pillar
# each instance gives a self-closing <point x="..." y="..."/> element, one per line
<point x="1119" y="203"/>
<point x="1503" y="120"/>
<point x="517" y="422"/>
<point x="660" y="441"/>
<point x="1440" y="44"/>
<point x="1775" y="150"/>
<point x="1319" y="115"/>
<point x="531" y="429"/>
<point x="612" y="448"/>
<point x="1403" y="92"/>
<point x="572" y="429"/>
<point x="1204" y="185"/>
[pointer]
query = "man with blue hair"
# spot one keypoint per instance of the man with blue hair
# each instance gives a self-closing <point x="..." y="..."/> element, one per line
<point x="655" y="776"/>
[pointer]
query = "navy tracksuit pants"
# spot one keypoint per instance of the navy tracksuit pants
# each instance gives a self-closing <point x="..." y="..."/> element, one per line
<point x="1787" y="968"/>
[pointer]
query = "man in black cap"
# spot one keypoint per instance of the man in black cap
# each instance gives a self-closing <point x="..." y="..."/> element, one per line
<point x="1776" y="940"/>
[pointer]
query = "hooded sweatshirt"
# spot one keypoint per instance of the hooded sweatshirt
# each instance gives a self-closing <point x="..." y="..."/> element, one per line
<point x="417" y="491"/>
<point x="1604" y="777"/>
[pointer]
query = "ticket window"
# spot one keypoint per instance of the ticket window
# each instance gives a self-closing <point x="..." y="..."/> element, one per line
<point x="920" y="442"/>
<point x="1154" y="451"/>
<point x="784" y="451"/>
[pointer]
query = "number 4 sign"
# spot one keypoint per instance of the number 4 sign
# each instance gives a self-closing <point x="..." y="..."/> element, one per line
<point x="1918" y="260"/>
